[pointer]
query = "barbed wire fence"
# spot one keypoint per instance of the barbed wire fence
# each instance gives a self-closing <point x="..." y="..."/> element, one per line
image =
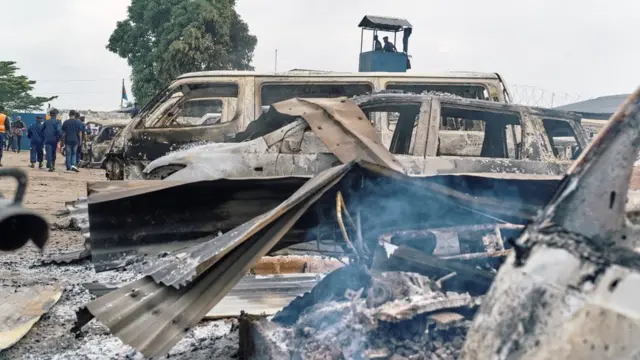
<point x="535" y="96"/>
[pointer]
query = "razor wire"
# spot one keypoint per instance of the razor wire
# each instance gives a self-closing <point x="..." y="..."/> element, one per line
<point x="535" y="96"/>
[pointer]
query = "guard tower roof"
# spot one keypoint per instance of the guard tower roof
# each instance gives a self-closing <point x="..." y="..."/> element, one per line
<point x="383" y="23"/>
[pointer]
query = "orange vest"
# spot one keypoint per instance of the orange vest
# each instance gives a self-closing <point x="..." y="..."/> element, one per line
<point x="3" y="118"/>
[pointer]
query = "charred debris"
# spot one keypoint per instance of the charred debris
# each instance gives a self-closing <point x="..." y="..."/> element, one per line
<point x="472" y="266"/>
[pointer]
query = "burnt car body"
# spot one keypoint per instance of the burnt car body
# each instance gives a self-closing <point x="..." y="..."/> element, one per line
<point x="427" y="134"/>
<point x="214" y="105"/>
<point x="99" y="144"/>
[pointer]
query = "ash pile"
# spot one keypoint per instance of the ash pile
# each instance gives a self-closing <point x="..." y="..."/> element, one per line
<point x="395" y="315"/>
<point x="399" y="303"/>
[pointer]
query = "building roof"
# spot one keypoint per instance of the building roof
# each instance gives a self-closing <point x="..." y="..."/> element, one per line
<point x="383" y="23"/>
<point x="600" y="105"/>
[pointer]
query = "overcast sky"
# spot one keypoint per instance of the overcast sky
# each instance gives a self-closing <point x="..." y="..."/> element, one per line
<point x="574" y="48"/>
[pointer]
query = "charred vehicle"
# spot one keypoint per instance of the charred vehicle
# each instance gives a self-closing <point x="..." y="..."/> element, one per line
<point x="98" y="144"/>
<point x="212" y="106"/>
<point x="427" y="134"/>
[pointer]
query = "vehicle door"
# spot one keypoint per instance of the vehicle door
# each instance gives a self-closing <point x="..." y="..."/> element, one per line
<point x="295" y="150"/>
<point x="477" y="139"/>
<point x="409" y="129"/>
<point x="195" y="113"/>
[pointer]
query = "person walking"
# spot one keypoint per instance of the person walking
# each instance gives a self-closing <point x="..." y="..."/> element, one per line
<point x="5" y="128"/>
<point x="9" y="136"/>
<point x="51" y="133"/>
<point x="18" y="130"/>
<point x="36" y="138"/>
<point x="73" y="131"/>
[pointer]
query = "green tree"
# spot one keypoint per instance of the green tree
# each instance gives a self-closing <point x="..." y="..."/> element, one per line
<point x="15" y="90"/>
<point x="162" y="39"/>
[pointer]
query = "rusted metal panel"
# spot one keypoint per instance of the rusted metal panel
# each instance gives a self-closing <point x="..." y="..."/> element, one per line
<point x="343" y="128"/>
<point x="21" y="308"/>
<point x="572" y="280"/>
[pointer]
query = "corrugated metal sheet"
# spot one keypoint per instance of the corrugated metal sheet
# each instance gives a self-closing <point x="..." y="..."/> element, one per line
<point x="152" y="317"/>
<point x="69" y="257"/>
<point x="255" y="295"/>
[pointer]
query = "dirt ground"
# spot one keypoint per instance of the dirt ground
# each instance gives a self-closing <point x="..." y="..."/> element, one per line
<point x="50" y="337"/>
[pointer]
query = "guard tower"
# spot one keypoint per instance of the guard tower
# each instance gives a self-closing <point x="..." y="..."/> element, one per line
<point x="373" y="58"/>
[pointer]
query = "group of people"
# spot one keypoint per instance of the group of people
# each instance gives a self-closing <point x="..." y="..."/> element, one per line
<point x="388" y="45"/>
<point x="45" y="135"/>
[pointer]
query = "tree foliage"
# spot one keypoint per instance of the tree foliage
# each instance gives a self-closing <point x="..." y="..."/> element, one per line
<point x="162" y="39"/>
<point x="15" y="90"/>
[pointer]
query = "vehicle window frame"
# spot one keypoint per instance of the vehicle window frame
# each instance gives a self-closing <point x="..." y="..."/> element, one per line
<point x="367" y="109"/>
<point x="436" y="118"/>
<point x="202" y="100"/>
<point x="154" y="117"/>
<point x="311" y="82"/>
<point x="574" y="130"/>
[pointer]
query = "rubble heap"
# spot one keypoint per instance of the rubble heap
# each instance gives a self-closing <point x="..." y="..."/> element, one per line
<point x="402" y="315"/>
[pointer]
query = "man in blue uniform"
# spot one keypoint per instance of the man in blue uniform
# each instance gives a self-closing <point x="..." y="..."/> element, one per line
<point x="388" y="45"/>
<point x="36" y="137"/>
<point x="51" y="133"/>
<point x="73" y="131"/>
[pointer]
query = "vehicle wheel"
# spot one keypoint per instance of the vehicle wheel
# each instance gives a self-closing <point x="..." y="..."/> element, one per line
<point x="115" y="168"/>
<point x="164" y="172"/>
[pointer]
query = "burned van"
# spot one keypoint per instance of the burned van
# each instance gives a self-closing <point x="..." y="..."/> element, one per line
<point x="212" y="106"/>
